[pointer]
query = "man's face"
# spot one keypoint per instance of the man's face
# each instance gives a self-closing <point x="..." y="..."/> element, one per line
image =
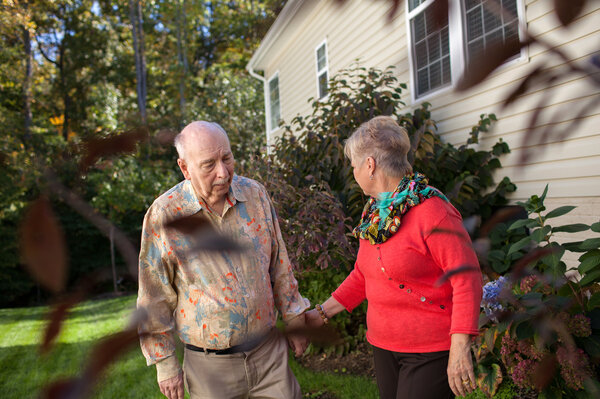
<point x="208" y="164"/>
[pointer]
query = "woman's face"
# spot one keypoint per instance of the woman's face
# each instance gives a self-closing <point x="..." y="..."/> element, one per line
<point x="362" y="174"/>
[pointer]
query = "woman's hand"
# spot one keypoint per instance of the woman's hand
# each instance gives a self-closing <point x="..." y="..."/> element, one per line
<point x="460" y="366"/>
<point x="313" y="319"/>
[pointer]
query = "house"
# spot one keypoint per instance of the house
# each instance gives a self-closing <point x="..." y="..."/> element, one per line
<point x="311" y="40"/>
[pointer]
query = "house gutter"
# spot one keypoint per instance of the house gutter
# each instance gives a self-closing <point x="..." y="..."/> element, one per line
<point x="252" y="73"/>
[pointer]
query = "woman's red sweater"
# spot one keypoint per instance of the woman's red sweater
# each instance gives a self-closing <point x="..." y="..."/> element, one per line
<point x="407" y="310"/>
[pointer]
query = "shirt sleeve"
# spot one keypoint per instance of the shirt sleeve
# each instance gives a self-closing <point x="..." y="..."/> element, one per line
<point x="158" y="298"/>
<point x="287" y="298"/>
<point x="451" y="248"/>
<point x="352" y="290"/>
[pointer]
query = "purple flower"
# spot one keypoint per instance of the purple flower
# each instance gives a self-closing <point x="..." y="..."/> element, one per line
<point x="490" y="300"/>
<point x="574" y="366"/>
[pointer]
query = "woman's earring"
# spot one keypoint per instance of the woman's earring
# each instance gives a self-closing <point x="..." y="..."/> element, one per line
<point x="371" y="177"/>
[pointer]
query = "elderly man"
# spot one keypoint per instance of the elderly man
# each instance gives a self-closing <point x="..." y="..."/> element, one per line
<point x="221" y="304"/>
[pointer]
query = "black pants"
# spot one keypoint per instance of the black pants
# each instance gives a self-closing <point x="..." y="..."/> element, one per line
<point x="412" y="375"/>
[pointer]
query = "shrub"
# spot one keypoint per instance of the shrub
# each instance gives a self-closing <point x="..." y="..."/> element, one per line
<point x="541" y="324"/>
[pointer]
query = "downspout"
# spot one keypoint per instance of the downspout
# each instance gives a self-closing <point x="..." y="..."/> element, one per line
<point x="252" y="73"/>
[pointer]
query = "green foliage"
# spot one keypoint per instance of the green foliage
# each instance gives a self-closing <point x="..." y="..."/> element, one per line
<point x="540" y="322"/>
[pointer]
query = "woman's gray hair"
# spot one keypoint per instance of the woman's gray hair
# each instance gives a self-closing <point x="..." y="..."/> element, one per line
<point x="385" y="141"/>
<point x="178" y="142"/>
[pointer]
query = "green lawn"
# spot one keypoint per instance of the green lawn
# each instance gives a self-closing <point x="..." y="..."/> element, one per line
<point x="25" y="371"/>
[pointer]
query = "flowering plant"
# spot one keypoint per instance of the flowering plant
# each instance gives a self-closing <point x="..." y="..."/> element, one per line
<point x="540" y="326"/>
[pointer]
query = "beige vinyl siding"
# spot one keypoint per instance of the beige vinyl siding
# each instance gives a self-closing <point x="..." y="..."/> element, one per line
<point x="361" y="29"/>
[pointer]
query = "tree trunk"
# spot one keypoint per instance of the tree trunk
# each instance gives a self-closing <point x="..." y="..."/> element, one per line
<point x="27" y="84"/>
<point x="181" y="56"/>
<point x="135" y="13"/>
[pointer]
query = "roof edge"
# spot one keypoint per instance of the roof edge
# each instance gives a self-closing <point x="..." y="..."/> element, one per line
<point x="286" y="14"/>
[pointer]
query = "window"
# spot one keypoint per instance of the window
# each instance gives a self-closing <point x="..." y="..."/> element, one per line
<point x="322" y="73"/>
<point x="274" y="106"/>
<point x="439" y="53"/>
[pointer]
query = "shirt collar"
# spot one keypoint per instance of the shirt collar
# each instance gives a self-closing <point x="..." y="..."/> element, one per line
<point x="196" y="205"/>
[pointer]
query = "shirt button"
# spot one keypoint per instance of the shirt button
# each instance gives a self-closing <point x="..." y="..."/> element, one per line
<point x="423" y="299"/>
<point x="401" y="286"/>
<point x="379" y="258"/>
<point x="442" y="307"/>
<point x="409" y="290"/>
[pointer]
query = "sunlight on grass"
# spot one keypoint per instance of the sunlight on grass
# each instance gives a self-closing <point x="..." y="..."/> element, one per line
<point x="25" y="371"/>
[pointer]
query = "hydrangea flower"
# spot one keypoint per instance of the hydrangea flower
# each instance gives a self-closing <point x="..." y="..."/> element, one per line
<point x="490" y="300"/>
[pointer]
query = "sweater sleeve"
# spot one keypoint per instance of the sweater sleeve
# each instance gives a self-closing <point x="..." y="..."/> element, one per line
<point x="352" y="290"/>
<point x="450" y="247"/>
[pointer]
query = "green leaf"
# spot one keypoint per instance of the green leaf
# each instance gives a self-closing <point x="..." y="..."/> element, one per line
<point x="588" y="264"/>
<point x="574" y="246"/>
<point x="523" y="222"/>
<point x="571" y="228"/>
<point x="561" y="210"/>
<point x="594" y="301"/>
<point x="524" y="330"/>
<point x="591" y="345"/>
<point x="590" y="243"/>
<point x="538" y="235"/>
<point x="595" y="227"/>
<point x="543" y="197"/>
<point x="517" y="246"/>
<point x="590" y="278"/>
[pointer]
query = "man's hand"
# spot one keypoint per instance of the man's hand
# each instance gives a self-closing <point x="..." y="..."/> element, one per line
<point x="297" y="342"/>
<point x="173" y="388"/>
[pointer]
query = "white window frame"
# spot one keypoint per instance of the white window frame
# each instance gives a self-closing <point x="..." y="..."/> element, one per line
<point x="458" y="54"/>
<point x="271" y="129"/>
<point x="320" y="71"/>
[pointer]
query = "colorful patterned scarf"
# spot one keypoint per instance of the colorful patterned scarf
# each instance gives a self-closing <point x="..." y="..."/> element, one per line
<point x="380" y="218"/>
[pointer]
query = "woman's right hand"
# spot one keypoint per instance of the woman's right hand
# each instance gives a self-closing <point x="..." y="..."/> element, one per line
<point x="313" y="318"/>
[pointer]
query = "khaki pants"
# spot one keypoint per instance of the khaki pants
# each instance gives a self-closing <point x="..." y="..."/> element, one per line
<point x="262" y="372"/>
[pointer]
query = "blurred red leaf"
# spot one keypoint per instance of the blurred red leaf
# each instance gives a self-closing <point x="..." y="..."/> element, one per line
<point x="482" y="66"/>
<point x="73" y="388"/>
<point x="165" y="137"/>
<point x="568" y="10"/>
<point x="43" y="246"/>
<point x="190" y="224"/>
<point x="521" y="264"/>
<point x="459" y="270"/>
<point x="502" y="215"/>
<point x="522" y="87"/>
<point x="108" y="350"/>
<point x="122" y="143"/>
<point x="57" y="316"/>
<point x="439" y="10"/>
<point x="544" y="371"/>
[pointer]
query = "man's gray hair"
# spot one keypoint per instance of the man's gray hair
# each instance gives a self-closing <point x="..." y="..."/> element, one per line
<point x="178" y="142"/>
<point x="385" y="141"/>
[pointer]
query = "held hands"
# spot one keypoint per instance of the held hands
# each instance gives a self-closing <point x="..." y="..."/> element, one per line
<point x="460" y="366"/>
<point x="313" y="319"/>
<point x="297" y="341"/>
<point x="173" y="388"/>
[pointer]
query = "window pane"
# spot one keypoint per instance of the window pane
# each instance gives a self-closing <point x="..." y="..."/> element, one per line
<point x="446" y="75"/>
<point x="433" y="46"/>
<point x="321" y="57"/>
<point x="422" y="81"/>
<point x="484" y="29"/>
<point x="474" y="24"/>
<point x="435" y="74"/>
<point x="490" y="19"/>
<point x="419" y="27"/>
<point x="421" y="54"/>
<point x="323" y="84"/>
<point x="430" y="53"/>
<point x="274" y="102"/>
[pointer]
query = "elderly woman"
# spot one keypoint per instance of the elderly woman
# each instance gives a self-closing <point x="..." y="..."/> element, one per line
<point x="410" y="237"/>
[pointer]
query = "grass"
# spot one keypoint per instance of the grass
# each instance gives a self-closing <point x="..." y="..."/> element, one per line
<point x="25" y="371"/>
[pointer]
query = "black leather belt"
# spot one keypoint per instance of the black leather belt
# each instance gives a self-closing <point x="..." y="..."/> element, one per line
<point x="245" y="347"/>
